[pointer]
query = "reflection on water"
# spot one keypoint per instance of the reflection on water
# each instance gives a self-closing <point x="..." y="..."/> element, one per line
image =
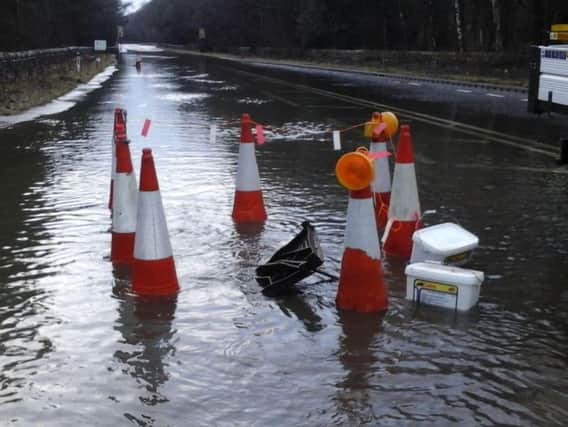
<point x="75" y="351"/>
<point x="358" y="353"/>
<point x="145" y="326"/>
<point x="296" y="305"/>
<point x="25" y="258"/>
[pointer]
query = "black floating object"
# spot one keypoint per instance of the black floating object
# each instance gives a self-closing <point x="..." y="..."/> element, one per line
<point x="295" y="261"/>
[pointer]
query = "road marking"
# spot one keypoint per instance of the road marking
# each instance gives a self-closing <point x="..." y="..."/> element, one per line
<point x="291" y="91"/>
<point x="415" y="84"/>
<point x="554" y="171"/>
<point x="467" y="140"/>
<point x="463" y="90"/>
<point x="495" y="95"/>
<point x="281" y="99"/>
<point x="338" y="107"/>
<point x="524" y="100"/>
<point x="475" y="131"/>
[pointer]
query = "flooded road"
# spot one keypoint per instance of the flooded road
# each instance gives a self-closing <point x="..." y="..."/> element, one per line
<point x="76" y="347"/>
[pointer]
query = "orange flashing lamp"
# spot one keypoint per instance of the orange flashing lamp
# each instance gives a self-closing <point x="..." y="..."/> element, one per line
<point x="355" y="170"/>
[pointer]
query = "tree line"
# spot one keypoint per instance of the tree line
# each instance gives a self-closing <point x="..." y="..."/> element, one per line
<point x="454" y="25"/>
<point x="38" y="24"/>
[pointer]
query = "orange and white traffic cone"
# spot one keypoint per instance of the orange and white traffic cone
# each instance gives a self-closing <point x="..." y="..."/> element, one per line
<point x="123" y="207"/>
<point x="382" y="183"/>
<point x="153" y="271"/>
<point x="380" y="129"/>
<point x="361" y="284"/>
<point x="404" y="209"/>
<point x="248" y="204"/>
<point x="119" y="131"/>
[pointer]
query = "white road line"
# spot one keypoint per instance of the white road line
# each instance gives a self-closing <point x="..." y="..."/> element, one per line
<point x="281" y="99"/>
<point x="340" y="107"/>
<point x="463" y="90"/>
<point x="415" y="84"/>
<point x="524" y="100"/>
<point x="495" y="95"/>
<point x="546" y="170"/>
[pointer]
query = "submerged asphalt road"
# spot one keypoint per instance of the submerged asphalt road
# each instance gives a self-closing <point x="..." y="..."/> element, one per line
<point x="484" y="109"/>
<point x="77" y="347"/>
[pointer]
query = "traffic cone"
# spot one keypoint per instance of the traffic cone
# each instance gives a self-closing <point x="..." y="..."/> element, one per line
<point x="361" y="283"/>
<point x="381" y="184"/>
<point x="123" y="206"/>
<point x="248" y="204"/>
<point x="404" y="209"/>
<point x="153" y="271"/>
<point x="118" y="131"/>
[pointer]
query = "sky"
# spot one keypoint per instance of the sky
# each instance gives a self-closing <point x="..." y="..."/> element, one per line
<point x="135" y="5"/>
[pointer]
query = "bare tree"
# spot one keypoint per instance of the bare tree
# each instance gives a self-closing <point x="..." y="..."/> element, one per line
<point x="459" y="29"/>
<point x="496" y="8"/>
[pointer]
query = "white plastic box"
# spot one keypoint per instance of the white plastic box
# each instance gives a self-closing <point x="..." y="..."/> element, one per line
<point x="443" y="285"/>
<point x="447" y="243"/>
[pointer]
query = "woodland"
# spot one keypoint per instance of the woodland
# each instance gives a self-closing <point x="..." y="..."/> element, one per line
<point x="432" y="25"/>
<point x="42" y="24"/>
<point x="429" y="25"/>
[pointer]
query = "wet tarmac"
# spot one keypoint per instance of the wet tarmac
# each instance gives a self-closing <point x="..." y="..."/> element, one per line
<point x="76" y="347"/>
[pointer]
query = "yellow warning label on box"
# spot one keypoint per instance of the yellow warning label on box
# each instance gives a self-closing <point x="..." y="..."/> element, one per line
<point x="438" y="287"/>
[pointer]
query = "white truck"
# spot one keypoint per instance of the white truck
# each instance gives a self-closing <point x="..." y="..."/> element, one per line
<point x="548" y="78"/>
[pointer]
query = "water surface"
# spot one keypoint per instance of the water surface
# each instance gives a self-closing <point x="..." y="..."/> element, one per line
<point x="76" y="347"/>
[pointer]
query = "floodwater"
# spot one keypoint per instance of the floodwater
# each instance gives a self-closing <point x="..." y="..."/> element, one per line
<point x="77" y="348"/>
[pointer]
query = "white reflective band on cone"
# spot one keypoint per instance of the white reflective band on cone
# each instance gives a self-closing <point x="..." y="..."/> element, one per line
<point x="152" y="239"/>
<point x="382" y="180"/>
<point x="404" y="203"/>
<point x="247" y="173"/>
<point x="361" y="227"/>
<point x="113" y="162"/>
<point x="124" y="201"/>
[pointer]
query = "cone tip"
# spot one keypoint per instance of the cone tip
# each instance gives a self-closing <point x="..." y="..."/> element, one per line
<point x="148" y="176"/>
<point x="379" y="136"/>
<point x="246" y="128"/>
<point x="405" y="152"/>
<point x="119" y="115"/>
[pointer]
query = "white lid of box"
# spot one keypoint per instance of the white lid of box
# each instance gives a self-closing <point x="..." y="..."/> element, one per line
<point x="444" y="273"/>
<point x="445" y="239"/>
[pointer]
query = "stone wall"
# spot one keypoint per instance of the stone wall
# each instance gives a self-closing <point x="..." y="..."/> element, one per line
<point x="32" y="78"/>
